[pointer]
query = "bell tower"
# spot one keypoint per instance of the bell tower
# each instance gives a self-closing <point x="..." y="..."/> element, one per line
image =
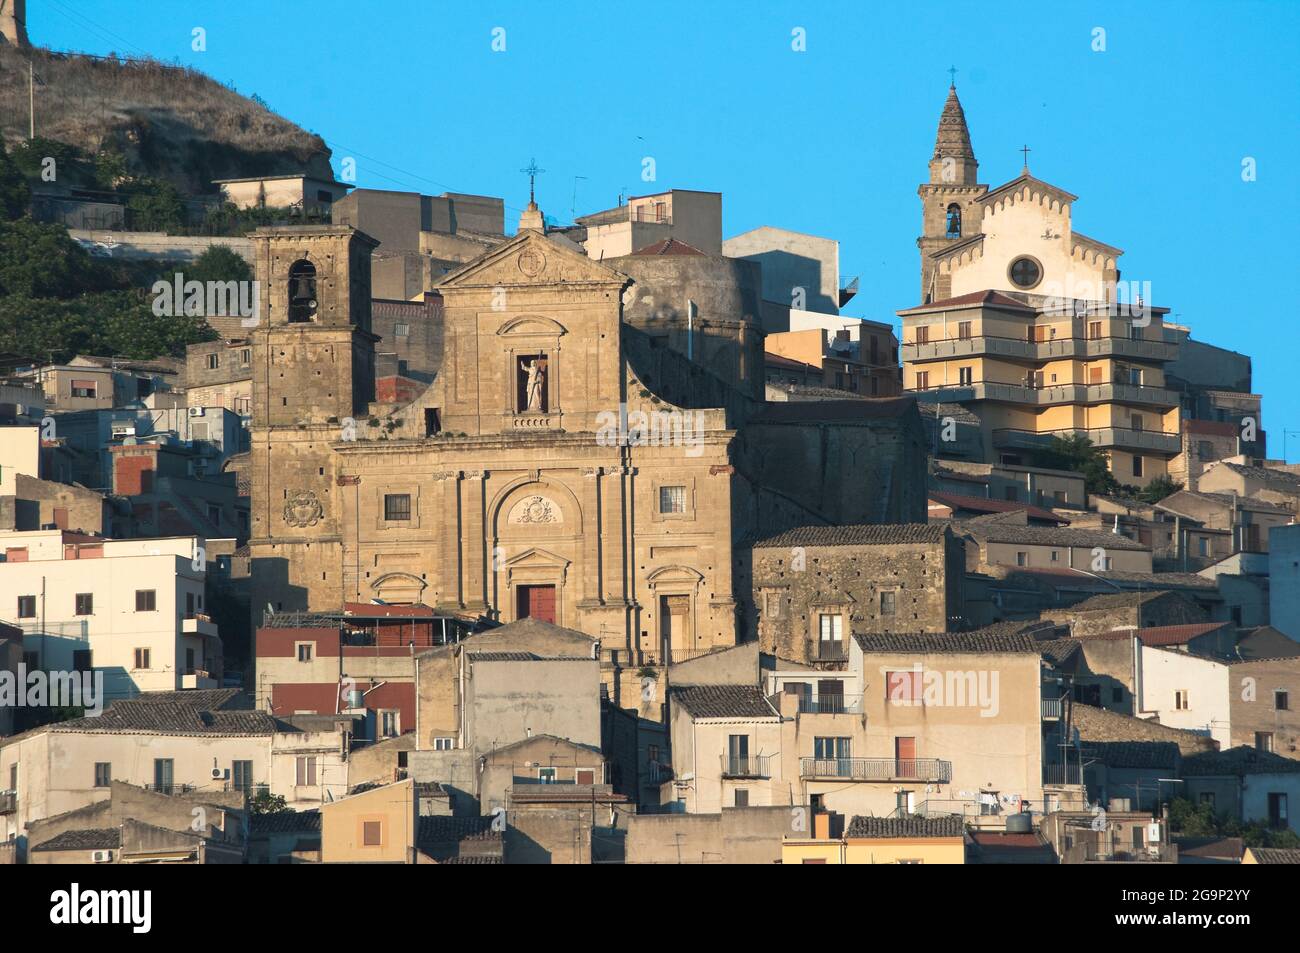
<point x="313" y="377"/>
<point x="950" y="209"/>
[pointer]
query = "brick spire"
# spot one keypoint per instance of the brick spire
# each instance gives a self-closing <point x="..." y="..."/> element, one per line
<point x="953" y="138"/>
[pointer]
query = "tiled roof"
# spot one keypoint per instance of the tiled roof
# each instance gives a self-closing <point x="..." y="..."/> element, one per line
<point x="473" y="859"/>
<point x="1133" y="754"/>
<point x="879" y="827"/>
<point x="105" y="838"/>
<point x="1177" y="634"/>
<point x="1161" y="580"/>
<point x="1000" y="637"/>
<point x="993" y="298"/>
<point x="503" y="656"/>
<point x="1102" y="726"/>
<point x="982" y="504"/>
<point x="873" y="534"/>
<point x="724" y="701"/>
<point x="669" y="246"/>
<point x="1047" y="536"/>
<point x="1274" y="479"/>
<point x="932" y="409"/>
<point x="438" y="829"/>
<point x="1240" y="761"/>
<point x="143" y="714"/>
<point x="284" y="822"/>
<point x="1115" y="600"/>
<point x="1265" y="855"/>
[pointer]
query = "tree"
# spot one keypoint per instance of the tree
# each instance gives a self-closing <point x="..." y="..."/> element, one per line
<point x="219" y="263"/>
<point x="14" y="193"/>
<point x="156" y="206"/>
<point x="1158" y="489"/>
<point x="264" y="802"/>
<point x="1076" y="452"/>
<point x="41" y="261"/>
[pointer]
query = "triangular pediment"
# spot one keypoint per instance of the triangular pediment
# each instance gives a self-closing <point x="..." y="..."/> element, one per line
<point x="530" y="258"/>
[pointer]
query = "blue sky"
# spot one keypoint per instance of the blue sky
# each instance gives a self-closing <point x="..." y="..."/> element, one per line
<point x="1150" y="133"/>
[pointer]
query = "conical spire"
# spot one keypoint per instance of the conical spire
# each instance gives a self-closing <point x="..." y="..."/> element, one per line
<point x="953" y="138"/>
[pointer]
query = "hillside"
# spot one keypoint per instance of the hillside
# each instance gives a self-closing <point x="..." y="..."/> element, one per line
<point x="168" y="122"/>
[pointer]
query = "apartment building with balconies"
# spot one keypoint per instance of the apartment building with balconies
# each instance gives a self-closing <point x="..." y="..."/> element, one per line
<point x="1032" y="370"/>
<point x="132" y="609"/>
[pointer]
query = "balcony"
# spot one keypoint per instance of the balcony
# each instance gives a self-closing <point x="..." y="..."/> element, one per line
<point x="197" y="678"/>
<point x="1052" y="349"/>
<point x="198" y="624"/>
<point x="1049" y="395"/>
<point x="8" y="802"/>
<point x="1062" y="774"/>
<point x="928" y="770"/>
<point x="831" y="651"/>
<point x="170" y="788"/>
<point x="830" y="705"/>
<point x="746" y="767"/>
<point x="1150" y="440"/>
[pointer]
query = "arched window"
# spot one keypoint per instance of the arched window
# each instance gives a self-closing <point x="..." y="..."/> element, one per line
<point x="302" y="292"/>
<point x="954" y="220"/>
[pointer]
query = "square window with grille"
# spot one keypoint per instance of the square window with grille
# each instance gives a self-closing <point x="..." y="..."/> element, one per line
<point x="146" y="600"/>
<point x="672" y="499"/>
<point x="397" y="506"/>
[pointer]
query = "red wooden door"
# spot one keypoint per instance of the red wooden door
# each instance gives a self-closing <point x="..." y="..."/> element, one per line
<point x="537" y="602"/>
<point x="905" y="757"/>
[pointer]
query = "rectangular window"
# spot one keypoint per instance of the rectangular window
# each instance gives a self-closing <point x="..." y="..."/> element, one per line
<point x="85" y="603"/>
<point x="81" y="660"/>
<point x="397" y="506"/>
<point x="163" y="775"/>
<point x="1264" y="741"/>
<point x="923" y="334"/>
<point x="965" y="375"/>
<point x="546" y="775"/>
<point x="1094" y="330"/>
<point x="305" y="775"/>
<point x="444" y="744"/>
<point x="1137" y="466"/>
<point x="246" y="356"/>
<point x="83" y="388"/>
<point x="888" y="602"/>
<point x="742" y="797"/>
<point x="27" y="607"/>
<point x="241" y="776"/>
<point x="1277" y="810"/>
<point x="305" y="651"/>
<point x="214" y="361"/>
<point x="372" y="833"/>
<point x="389" y="725"/>
<point x="1181" y="702"/>
<point x="1022" y="558"/>
<point x="142" y="659"/>
<point x="402" y="330"/>
<point x="672" y="499"/>
<point x="1281" y="700"/>
<point x="146" y="600"/>
<point x="922" y="380"/>
<point x="963" y="330"/>
<point x="103" y="774"/>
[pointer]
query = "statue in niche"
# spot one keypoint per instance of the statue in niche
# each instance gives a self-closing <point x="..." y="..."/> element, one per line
<point x="534" y="372"/>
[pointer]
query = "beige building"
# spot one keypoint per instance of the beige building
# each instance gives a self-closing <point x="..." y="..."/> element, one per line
<point x="1021" y="320"/>
<point x="685" y="215"/>
<point x="1000" y="541"/>
<point x="882" y="840"/>
<point x="132" y="609"/>
<point x="377" y="825"/>
<point x="178" y="742"/>
<point x="563" y="466"/>
<point x="295" y="190"/>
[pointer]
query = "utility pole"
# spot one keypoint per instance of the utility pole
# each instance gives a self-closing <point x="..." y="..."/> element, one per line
<point x="31" y="101"/>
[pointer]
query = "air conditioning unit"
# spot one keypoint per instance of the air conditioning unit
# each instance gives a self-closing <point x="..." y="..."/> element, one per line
<point x="196" y="411"/>
<point x="218" y="774"/>
<point x="101" y="857"/>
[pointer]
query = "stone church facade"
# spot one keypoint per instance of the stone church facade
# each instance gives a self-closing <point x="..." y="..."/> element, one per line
<point x="545" y="471"/>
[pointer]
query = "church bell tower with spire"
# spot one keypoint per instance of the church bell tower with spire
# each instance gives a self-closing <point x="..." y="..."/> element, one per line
<point x="950" y="209"/>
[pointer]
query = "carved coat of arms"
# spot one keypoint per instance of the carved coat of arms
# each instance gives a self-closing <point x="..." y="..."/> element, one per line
<point x="302" y="509"/>
<point x="536" y="509"/>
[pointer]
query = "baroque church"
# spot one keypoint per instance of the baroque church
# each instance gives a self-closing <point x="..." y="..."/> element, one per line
<point x="579" y="457"/>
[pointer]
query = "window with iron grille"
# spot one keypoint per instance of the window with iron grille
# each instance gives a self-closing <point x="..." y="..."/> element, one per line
<point x="397" y="506"/>
<point x="672" y="499"/>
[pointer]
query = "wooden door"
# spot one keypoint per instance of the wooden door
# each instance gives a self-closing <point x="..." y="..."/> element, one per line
<point x="537" y="602"/>
<point x="905" y="757"/>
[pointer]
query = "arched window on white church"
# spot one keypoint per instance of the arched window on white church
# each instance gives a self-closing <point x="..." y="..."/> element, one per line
<point x="954" y="221"/>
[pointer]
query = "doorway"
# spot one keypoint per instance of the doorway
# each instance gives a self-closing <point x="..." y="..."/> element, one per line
<point x="535" y="602"/>
<point x="674" y="625"/>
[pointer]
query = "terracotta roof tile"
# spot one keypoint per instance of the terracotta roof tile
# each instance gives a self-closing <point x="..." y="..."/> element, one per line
<point x="724" y="701"/>
<point x="882" y="827"/>
<point x="862" y="534"/>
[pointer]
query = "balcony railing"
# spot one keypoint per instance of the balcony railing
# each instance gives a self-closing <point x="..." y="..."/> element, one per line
<point x="1062" y="774"/>
<point x="930" y="770"/>
<point x="747" y="767"/>
<point x="1049" y="394"/>
<point x="8" y="802"/>
<point x="1052" y="708"/>
<point x="1008" y="438"/>
<point x="829" y="651"/>
<point x="830" y="705"/>
<point x="1051" y="349"/>
<point x="170" y="788"/>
